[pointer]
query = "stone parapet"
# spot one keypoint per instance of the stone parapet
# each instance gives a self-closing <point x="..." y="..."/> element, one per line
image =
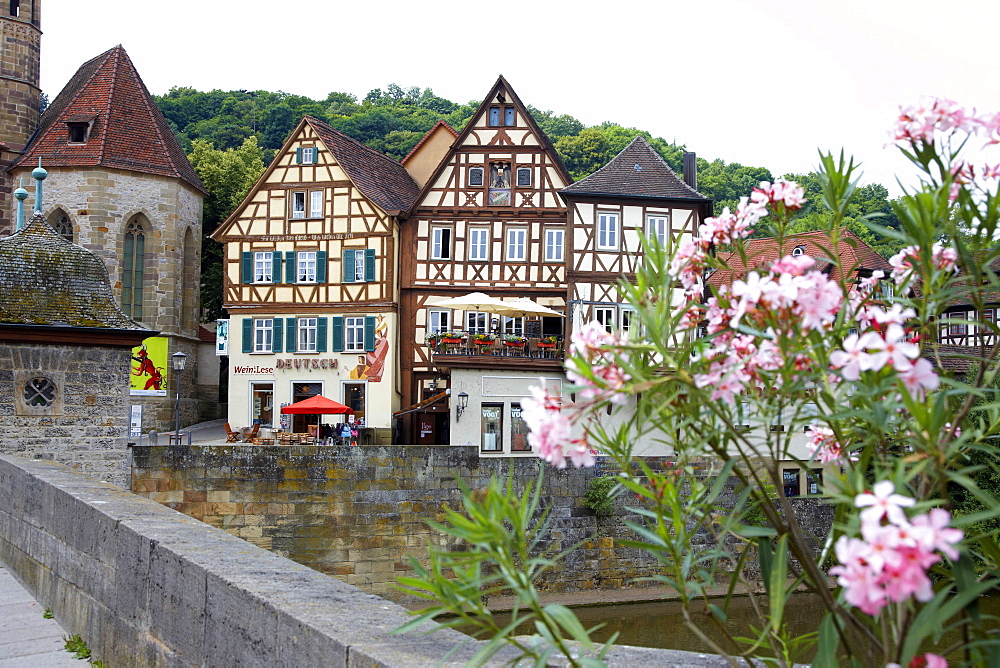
<point x="147" y="586"/>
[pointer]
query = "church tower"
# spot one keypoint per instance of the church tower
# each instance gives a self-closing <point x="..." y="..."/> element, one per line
<point x="20" y="93"/>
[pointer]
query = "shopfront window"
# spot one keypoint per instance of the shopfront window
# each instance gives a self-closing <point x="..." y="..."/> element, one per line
<point x="518" y="430"/>
<point x="300" y="392"/>
<point x="354" y="398"/>
<point x="262" y="404"/>
<point x="492" y="422"/>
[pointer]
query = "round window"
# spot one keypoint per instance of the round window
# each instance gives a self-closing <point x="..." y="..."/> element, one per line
<point x="39" y="393"/>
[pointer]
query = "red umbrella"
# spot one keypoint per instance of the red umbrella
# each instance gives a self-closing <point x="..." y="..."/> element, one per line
<point x="315" y="405"/>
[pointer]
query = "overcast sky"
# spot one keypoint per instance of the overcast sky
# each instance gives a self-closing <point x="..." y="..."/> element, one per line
<point x="760" y="82"/>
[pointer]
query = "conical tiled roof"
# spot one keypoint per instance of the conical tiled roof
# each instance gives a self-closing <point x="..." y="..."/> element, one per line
<point x="127" y="129"/>
<point x="46" y="280"/>
<point x="638" y="171"/>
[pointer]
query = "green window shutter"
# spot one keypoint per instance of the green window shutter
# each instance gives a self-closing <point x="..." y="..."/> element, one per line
<point x="276" y="335"/>
<point x="291" y="341"/>
<point x="290" y="267"/>
<point x="369" y="265"/>
<point x="348" y="266"/>
<point x="321" y="266"/>
<point x="338" y="334"/>
<point x="369" y="333"/>
<point x="276" y="269"/>
<point x="247" y="267"/>
<point x="298" y="156"/>
<point x="321" y="335"/>
<point x="248" y="335"/>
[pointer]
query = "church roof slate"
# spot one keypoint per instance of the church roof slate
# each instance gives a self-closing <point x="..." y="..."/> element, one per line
<point x="47" y="280"/>
<point x="128" y="130"/>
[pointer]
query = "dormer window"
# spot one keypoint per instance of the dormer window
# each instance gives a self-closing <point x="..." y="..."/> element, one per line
<point x="15" y="7"/>
<point x="798" y="250"/>
<point x="78" y="128"/>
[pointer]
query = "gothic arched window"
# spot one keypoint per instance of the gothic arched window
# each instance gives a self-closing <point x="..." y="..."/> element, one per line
<point x="61" y="223"/>
<point x="133" y="266"/>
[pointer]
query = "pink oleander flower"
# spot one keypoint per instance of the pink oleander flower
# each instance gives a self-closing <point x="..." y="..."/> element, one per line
<point x="792" y="265"/>
<point x="883" y="503"/>
<point x="825" y="446"/>
<point x="932" y="530"/>
<point x="788" y="193"/>
<point x="919" y="378"/>
<point x="608" y="383"/>
<point x="920" y="124"/>
<point x="853" y="359"/>
<point x="897" y="348"/>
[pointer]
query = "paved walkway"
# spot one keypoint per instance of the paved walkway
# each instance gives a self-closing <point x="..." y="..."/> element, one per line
<point x="28" y="640"/>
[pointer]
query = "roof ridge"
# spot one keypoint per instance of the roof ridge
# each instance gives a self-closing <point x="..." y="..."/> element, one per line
<point x="151" y="108"/>
<point x="427" y="136"/>
<point x="327" y="126"/>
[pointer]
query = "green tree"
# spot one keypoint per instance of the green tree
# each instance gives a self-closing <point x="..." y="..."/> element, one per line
<point x="227" y="175"/>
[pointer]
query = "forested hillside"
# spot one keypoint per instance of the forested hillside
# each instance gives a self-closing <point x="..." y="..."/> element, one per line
<point x="231" y="135"/>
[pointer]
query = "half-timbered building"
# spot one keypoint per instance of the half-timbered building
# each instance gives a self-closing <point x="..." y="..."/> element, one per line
<point x="488" y="218"/>
<point x="311" y="281"/>
<point x="636" y="194"/>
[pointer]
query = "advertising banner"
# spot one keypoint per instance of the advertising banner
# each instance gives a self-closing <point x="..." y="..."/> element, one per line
<point x="222" y="337"/>
<point x="149" y="368"/>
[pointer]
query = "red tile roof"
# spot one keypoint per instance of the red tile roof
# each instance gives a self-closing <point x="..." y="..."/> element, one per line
<point x="128" y="132"/>
<point x="854" y="255"/>
<point x="381" y="179"/>
<point x="427" y="136"/>
<point x="637" y="171"/>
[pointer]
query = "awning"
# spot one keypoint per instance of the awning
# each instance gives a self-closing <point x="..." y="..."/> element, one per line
<point x="423" y="404"/>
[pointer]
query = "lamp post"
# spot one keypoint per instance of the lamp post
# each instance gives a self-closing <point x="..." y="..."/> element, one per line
<point x="463" y="403"/>
<point x="178" y="360"/>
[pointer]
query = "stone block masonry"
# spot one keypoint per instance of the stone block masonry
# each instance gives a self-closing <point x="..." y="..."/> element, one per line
<point x="360" y="513"/>
<point x="146" y="586"/>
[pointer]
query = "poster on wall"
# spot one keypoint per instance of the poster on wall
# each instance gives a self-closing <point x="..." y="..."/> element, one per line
<point x="149" y="368"/>
<point x="221" y="337"/>
<point x="135" y="421"/>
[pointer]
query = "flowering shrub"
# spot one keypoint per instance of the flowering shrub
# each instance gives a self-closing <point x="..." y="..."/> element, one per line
<point x="859" y="381"/>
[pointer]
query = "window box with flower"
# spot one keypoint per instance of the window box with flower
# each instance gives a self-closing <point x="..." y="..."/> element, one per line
<point x="514" y="341"/>
<point x="548" y="342"/>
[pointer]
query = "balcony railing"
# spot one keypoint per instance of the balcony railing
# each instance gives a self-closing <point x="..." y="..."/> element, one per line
<point x="469" y="346"/>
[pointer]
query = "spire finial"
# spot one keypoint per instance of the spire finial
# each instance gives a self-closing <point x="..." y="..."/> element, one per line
<point x="20" y="195"/>
<point x="39" y="174"/>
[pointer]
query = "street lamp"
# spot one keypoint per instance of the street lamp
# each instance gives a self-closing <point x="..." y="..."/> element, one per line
<point x="178" y="360"/>
<point x="463" y="403"/>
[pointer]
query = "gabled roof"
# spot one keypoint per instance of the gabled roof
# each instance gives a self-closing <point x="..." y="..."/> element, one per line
<point x="853" y="254"/>
<point x="46" y="280"/>
<point x="439" y="126"/>
<point x="382" y="180"/>
<point x="501" y="86"/>
<point x="127" y="130"/>
<point x="637" y="171"/>
<point x="379" y="178"/>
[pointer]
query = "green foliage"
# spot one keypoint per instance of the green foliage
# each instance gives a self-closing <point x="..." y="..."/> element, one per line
<point x="497" y="550"/>
<point x="76" y="646"/>
<point x="47" y="614"/>
<point x="599" y="496"/>
<point x="228" y="175"/>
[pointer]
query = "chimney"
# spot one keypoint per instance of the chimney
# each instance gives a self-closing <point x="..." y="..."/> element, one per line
<point x="691" y="170"/>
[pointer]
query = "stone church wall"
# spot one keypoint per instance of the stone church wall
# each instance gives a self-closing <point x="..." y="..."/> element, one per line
<point x="86" y="427"/>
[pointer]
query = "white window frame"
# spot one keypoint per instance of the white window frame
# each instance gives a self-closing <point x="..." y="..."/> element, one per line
<point x="305" y="267"/>
<point x="479" y="243"/>
<point x="514" y="326"/>
<point x="354" y="334"/>
<point x="263" y="335"/>
<point x="307" y="335"/>
<point x="608" y="231"/>
<point x="298" y="204"/>
<point x="359" y="266"/>
<point x="517" y="244"/>
<point x="315" y="203"/>
<point x="658" y="228"/>
<point x="473" y="320"/>
<point x="309" y="155"/>
<point x="607" y="316"/>
<point x="438" y="321"/>
<point x="555" y="250"/>
<point x="263" y="266"/>
<point x="441" y="243"/>
<point x="627" y="325"/>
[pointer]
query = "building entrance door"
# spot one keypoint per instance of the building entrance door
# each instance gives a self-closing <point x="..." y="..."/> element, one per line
<point x="262" y="404"/>
<point x="300" y="392"/>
